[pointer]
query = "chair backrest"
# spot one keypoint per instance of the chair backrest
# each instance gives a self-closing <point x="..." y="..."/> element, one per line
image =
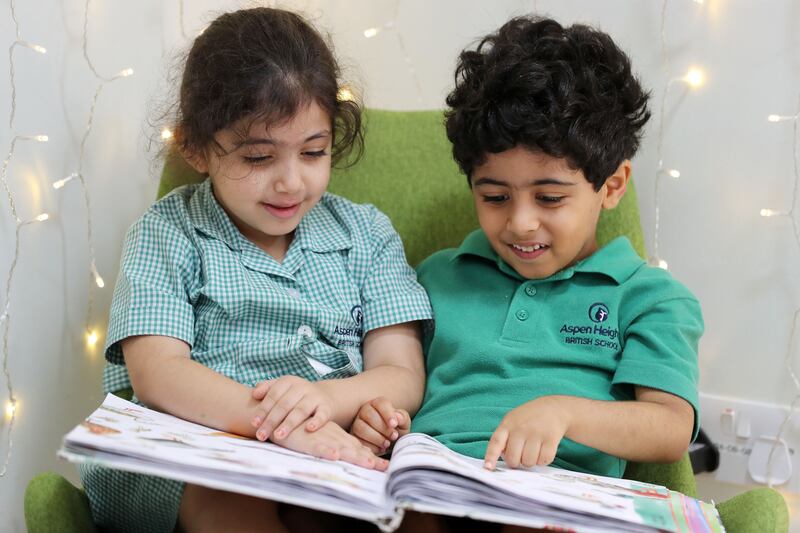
<point x="408" y="173"/>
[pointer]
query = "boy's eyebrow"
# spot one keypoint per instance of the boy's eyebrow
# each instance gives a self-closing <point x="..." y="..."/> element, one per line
<point x="542" y="181"/>
<point x="266" y="140"/>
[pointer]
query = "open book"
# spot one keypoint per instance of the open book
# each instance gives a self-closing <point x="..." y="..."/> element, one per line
<point x="423" y="475"/>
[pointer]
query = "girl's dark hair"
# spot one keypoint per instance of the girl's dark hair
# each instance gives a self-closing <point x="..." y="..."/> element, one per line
<point x="262" y="64"/>
<point x="566" y="92"/>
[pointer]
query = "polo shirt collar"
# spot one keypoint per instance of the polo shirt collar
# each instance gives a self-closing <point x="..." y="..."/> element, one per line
<point x="617" y="259"/>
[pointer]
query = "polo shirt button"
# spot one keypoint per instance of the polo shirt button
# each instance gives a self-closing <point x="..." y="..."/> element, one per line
<point x="522" y="314"/>
<point x="530" y="290"/>
<point x="305" y="331"/>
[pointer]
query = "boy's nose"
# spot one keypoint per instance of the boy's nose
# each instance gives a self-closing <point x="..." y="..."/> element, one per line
<point x="523" y="221"/>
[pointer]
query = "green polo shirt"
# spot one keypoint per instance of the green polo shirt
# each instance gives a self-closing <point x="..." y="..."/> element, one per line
<point x="594" y="330"/>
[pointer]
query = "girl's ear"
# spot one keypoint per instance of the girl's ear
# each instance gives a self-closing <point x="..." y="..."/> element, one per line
<point x="616" y="185"/>
<point x="196" y="159"/>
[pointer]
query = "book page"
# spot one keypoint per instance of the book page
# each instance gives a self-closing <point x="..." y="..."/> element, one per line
<point x="121" y="434"/>
<point x="426" y="476"/>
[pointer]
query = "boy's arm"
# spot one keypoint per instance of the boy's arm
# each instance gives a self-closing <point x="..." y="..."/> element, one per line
<point x="656" y="427"/>
<point x="393" y="368"/>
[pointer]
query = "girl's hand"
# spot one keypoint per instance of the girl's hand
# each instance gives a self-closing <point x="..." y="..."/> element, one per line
<point x="529" y="435"/>
<point x="331" y="442"/>
<point x="286" y="403"/>
<point x="379" y="424"/>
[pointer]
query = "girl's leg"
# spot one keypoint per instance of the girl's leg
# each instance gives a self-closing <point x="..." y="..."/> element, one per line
<point x="203" y="509"/>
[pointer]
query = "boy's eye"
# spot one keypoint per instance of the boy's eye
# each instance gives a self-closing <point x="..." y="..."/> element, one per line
<point x="495" y="198"/>
<point x="549" y="199"/>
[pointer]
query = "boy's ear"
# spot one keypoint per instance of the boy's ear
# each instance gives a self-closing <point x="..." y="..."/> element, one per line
<point x="616" y="185"/>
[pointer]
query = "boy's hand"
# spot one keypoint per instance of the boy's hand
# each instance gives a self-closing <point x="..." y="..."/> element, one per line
<point x="529" y="435"/>
<point x="378" y="424"/>
<point x="332" y="442"/>
<point x="286" y="403"/>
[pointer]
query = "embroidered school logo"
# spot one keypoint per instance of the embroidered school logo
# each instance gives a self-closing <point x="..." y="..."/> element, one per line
<point x="598" y="312"/>
<point x="358" y="315"/>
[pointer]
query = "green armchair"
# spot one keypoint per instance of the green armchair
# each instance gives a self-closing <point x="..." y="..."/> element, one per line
<point x="408" y="173"/>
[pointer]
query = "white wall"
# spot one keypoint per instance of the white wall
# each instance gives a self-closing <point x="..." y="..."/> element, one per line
<point x="744" y="268"/>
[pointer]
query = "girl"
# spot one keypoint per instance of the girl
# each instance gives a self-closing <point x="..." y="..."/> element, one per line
<point x="259" y="274"/>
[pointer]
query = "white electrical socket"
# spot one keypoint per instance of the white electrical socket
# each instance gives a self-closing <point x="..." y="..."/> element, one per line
<point x="744" y="433"/>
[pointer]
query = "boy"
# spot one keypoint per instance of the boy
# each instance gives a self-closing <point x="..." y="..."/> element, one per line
<point x="547" y="349"/>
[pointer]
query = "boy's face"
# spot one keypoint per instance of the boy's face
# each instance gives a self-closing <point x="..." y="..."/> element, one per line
<point x="539" y="215"/>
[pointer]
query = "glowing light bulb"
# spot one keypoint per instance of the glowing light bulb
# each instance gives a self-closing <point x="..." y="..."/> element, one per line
<point x="774" y="118"/>
<point x="694" y="77"/>
<point x="125" y="73"/>
<point x="11" y="409"/>
<point x="663" y="264"/>
<point x="41" y="138"/>
<point x="97" y="278"/>
<point x="60" y="183"/>
<point x="369" y="33"/>
<point x="42" y="217"/>
<point x="91" y="338"/>
<point x="345" y="95"/>
<point x="35" y="47"/>
<point x="166" y="134"/>
<point x="699" y="1"/>
<point x="673" y="173"/>
<point x="769" y="213"/>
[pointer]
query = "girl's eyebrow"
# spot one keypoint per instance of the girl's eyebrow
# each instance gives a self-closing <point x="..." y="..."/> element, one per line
<point x="266" y="140"/>
<point x="542" y="181"/>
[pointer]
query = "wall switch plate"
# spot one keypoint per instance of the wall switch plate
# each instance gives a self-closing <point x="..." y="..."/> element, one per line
<point x="745" y="434"/>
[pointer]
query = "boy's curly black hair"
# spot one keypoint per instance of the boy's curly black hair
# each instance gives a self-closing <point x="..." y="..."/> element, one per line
<point x="566" y="92"/>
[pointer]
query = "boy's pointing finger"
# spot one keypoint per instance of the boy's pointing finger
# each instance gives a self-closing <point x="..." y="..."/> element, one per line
<point x="496" y="446"/>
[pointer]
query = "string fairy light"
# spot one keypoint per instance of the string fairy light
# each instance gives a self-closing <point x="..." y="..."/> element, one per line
<point x="79" y="175"/>
<point x="12" y="404"/>
<point x="693" y="79"/>
<point x="391" y="25"/>
<point x="791" y="214"/>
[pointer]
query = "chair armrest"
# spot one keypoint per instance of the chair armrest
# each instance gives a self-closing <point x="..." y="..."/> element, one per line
<point x="53" y="504"/>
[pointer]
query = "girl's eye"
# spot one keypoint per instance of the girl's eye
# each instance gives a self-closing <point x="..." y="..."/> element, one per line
<point x="550" y="199"/>
<point x="494" y="199"/>
<point x="317" y="153"/>
<point x="257" y="159"/>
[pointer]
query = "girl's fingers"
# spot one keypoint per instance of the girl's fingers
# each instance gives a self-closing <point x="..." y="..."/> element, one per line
<point x="367" y="433"/>
<point x="403" y="419"/>
<point x="321" y="417"/>
<point x="277" y="413"/>
<point x="296" y="416"/>
<point x="371" y="416"/>
<point x="497" y="444"/>
<point x="260" y="390"/>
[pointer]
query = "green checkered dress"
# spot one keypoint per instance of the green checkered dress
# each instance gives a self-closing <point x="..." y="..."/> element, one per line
<point x="187" y="272"/>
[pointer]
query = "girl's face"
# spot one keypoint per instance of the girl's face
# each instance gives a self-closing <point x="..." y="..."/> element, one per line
<point x="272" y="176"/>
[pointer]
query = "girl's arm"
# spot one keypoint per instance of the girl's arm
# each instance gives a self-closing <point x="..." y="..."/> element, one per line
<point x="165" y="377"/>
<point x="393" y="368"/>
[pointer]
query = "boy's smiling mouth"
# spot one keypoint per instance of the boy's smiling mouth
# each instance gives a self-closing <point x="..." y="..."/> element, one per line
<point x="531" y="251"/>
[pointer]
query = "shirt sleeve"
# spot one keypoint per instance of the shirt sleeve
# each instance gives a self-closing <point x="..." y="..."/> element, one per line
<point x="391" y="293"/>
<point x="152" y="292"/>
<point x="660" y="350"/>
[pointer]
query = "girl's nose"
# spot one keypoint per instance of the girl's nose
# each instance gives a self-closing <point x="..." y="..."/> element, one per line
<point x="289" y="180"/>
